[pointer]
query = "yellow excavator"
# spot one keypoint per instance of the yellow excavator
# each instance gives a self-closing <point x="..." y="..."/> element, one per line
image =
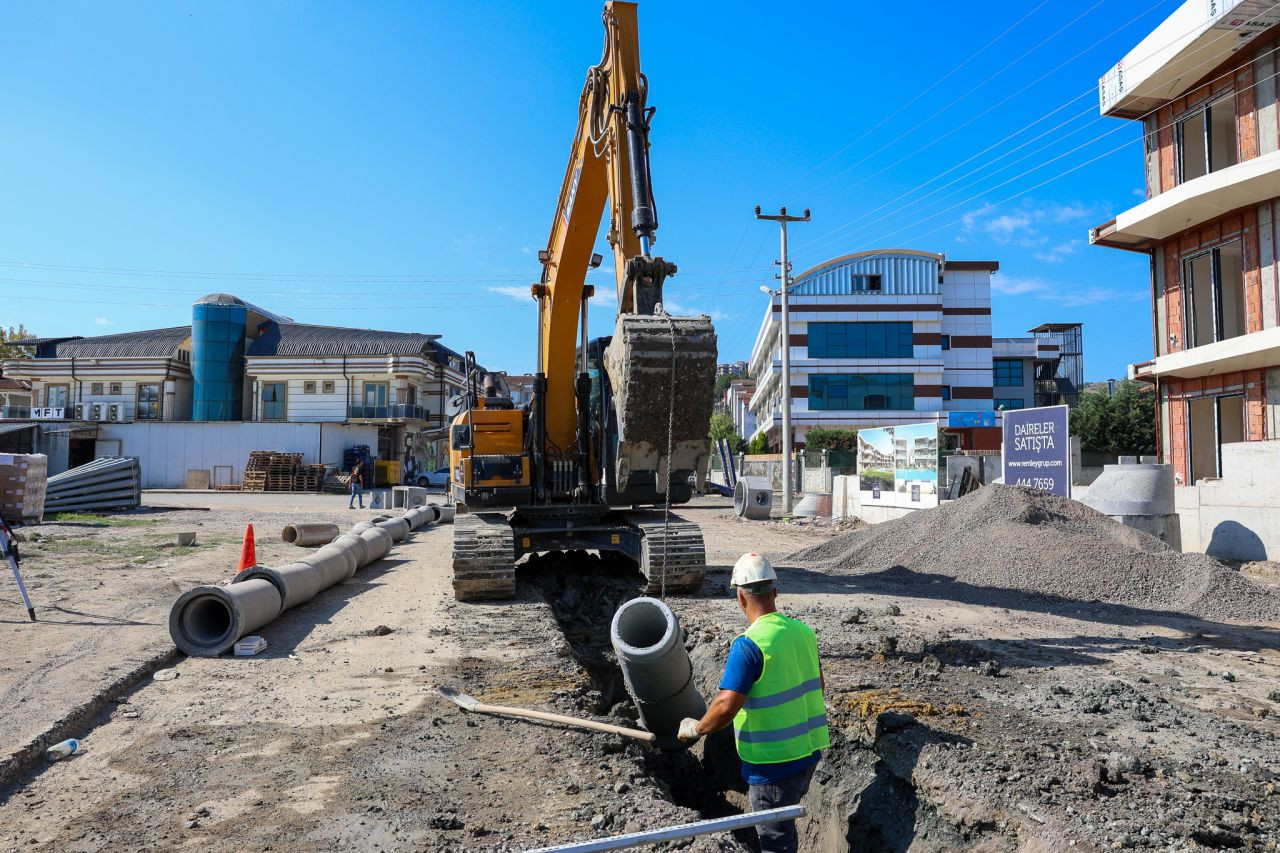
<point x="615" y="432"/>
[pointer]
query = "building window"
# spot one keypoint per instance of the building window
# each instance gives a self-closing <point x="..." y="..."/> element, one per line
<point x="868" y="391"/>
<point x="55" y="396"/>
<point x="1213" y="291"/>
<point x="96" y="389"/>
<point x="860" y="340"/>
<point x="328" y="386"/>
<point x="946" y="392"/>
<point x="866" y="283"/>
<point x="1007" y="372"/>
<point x="375" y="394"/>
<point x="1207" y="139"/>
<point x="308" y="387"/>
<point x="946" y="342"/>
<point x="273" y="401"/>
<point x="1010" y="403"/>
<point x="148" y="401"/>
<point x="116" y="389"/>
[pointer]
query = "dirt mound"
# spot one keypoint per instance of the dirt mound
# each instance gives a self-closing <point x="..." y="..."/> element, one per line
<point x="1006" y="537"/>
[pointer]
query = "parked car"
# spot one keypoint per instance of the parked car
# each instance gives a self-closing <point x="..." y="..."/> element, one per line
<point x="438" y="478"/>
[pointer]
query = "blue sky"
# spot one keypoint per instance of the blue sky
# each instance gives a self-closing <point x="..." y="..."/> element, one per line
<point x="395" y="165"/>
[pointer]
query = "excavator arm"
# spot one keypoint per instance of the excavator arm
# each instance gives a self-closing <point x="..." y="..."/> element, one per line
<point x="657" y="363"/>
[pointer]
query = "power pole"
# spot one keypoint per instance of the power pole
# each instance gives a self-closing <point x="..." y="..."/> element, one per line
<point x="785" y="339"/>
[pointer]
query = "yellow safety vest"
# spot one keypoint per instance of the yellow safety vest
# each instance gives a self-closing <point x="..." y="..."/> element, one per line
<point x="784" y="718"/>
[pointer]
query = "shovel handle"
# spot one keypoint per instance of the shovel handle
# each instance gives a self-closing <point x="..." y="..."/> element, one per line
<point x="504" y="711"/>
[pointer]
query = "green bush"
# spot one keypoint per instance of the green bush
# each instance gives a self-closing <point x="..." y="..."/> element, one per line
<point x="1124" y="424"/>
<point x="819" y="438"/>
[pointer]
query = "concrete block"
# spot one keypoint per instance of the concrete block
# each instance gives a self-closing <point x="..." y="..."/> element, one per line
<point x="408" y="497"/>
<point x="1128" y="460"/>
<point x="1251" y="462"/>
<point x="1130" y="489"/>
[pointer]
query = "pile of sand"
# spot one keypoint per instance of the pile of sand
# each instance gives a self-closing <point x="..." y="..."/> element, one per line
<point x="1005" y="537"/>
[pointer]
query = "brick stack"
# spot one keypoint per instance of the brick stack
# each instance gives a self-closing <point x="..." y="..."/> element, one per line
<point x="22" y="486"/>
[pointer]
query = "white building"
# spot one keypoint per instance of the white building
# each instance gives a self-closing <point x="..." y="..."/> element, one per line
<point x="880" y="338"/>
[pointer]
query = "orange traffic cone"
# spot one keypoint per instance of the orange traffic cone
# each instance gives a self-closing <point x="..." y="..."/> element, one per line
<point x="248" y="558"/>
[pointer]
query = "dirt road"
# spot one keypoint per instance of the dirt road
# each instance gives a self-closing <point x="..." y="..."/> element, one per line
<point x="1002" y="724"/>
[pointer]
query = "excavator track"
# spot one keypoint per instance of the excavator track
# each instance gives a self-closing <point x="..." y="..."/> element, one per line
<point x="672" y="548"/>
<point x="484" y="564"/>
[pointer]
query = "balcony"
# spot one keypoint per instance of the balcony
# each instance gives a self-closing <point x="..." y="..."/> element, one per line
<point x="1246" y="352"/>
<point x="388" y="413"/>
<point x="1191" y="203"/>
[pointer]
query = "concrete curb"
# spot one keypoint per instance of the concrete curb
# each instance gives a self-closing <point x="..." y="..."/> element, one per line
<point x="78" y="723"/>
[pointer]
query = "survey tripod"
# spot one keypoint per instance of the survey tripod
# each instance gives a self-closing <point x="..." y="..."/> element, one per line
<point x="9" y="550"/>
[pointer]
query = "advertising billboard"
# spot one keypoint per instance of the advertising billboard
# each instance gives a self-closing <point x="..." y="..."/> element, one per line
<point x="898" y="466"/>
<point x="1037" y="449"/>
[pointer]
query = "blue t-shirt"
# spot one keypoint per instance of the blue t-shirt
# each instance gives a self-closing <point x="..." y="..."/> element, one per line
<point x="741" y="671"/>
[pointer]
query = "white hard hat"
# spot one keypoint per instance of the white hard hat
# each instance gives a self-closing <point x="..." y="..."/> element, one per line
<point x="751" y="569"/>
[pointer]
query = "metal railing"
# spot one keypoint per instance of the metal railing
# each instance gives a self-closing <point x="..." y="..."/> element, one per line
<point x="388" y="413"/>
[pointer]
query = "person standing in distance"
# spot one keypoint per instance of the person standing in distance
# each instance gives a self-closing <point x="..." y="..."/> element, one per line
<point x="772" y="693"/>
<point x="357" y="487"/>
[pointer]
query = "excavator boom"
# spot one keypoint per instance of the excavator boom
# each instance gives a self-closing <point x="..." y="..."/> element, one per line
<point x="615" y="423"/>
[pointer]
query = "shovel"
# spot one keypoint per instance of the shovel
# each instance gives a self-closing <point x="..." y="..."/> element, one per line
<point x="470" y="703"/>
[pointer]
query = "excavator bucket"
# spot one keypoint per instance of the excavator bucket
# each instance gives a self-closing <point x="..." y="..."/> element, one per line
<point x="663" y="371"/>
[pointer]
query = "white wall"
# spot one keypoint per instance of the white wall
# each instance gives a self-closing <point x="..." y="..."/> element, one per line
<point x="167" y="451"/>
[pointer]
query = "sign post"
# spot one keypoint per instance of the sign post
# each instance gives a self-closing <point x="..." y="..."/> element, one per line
<point x="1037" y="449"/>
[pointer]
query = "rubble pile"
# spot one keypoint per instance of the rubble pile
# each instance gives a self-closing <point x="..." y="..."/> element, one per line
<point x="1004" y="538"/>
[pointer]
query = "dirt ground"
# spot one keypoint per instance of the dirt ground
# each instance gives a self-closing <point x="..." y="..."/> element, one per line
<point x="961" y="719"/>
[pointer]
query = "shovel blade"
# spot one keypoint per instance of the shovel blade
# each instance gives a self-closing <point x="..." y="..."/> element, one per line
<point x="459" y="698"/>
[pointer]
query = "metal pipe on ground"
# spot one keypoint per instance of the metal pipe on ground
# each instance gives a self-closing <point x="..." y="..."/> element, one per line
<point x="309" y="533"/>
<point x="683" y="830"/>
<point x="655" y="666"/>
<point x="207" y="620"/>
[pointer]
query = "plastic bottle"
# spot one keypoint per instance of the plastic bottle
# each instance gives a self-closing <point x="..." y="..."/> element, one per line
<point x="62" y="750"/>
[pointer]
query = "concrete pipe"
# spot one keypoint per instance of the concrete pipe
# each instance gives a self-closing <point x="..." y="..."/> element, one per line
<point x="421" y="516"/>
<point x="296" y="582"/>
<point x="753" y="497"/>
<point x="446" y="513"/>
<point x="397" y="527"/>
<point x="355" y="546"/>
<point x="377" y="542"/>
<point x="658" y="673"/>
<point x="207" y="621"/>
<point x="317" y="533"/>
<point x="361" y="527"/>
<point x="338" y="560"/>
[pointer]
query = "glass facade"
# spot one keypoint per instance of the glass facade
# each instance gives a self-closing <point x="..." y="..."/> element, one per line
<point x="1007" y="372"/>
<point x="217" y="361"/>
<point x="867" y="391"/>
<point x="860" y="340"/>
<point x="1010" y="403"/>
<point x="148" y="401"/>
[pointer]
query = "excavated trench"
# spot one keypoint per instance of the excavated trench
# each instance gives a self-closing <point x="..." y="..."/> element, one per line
<point x="862" y="797"/>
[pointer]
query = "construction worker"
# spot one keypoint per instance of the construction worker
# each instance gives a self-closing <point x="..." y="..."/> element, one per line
<point x="772" y="693"/>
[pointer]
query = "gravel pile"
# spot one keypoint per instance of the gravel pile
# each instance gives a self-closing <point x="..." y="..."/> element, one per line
<point x="1005" y="537"/>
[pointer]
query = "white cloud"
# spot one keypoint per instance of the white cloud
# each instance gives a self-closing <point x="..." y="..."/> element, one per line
<point x="1007" y="286"/>
<point x="1058" y="253"/>
<point x="1069" y="295"/>
<point x="1021" y="226"/>
<point x="514" y="291"/>
<point x="103" y="321"/>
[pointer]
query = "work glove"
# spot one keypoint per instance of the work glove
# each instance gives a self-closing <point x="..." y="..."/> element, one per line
<point x="688" y="730"/>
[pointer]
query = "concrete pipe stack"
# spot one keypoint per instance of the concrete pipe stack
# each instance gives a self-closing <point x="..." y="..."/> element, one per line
<point x="207" y="621"/>
<point x="655" y="666"/>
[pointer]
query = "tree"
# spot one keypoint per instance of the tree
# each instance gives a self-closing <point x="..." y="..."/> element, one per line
<point x="12" y="334"/>
<point x="819" y="438"/>
<point x="723" y="429"/>
<point x="1124" y="424"/>
<point x="758" y="445"/>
